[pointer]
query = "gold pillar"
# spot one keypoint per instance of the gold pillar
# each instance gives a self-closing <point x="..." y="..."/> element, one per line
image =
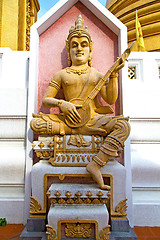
<point x="16" y="18"/>
<point x="148" y="15"/>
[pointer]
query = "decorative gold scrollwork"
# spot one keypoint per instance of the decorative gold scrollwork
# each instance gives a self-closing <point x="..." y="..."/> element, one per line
<point x="51" y="233"/>
<point x="104" y="233"/>
<point x="78" y="230"/>
<point x="121" y="207"/>
<point x="35" y="207"/>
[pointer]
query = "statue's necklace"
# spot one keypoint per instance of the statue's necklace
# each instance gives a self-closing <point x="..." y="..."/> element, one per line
<point x="77" y="71"/>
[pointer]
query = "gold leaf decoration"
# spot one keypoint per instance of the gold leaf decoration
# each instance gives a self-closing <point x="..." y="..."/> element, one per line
<point x="100" y="194"/>
<point x="121" y="207"/>
<point x="89" y="194"/>
<point x="61" y="201"/>
<point x="70" y="201"/>
<point x="57" y="194"/>
<point x="83" y="158"/>
<point x="41" y="145"/>
<point x="78" y="201"/>
<point x="104" y="233"/>
<point x="78" y="158"/>
<point x="87" y="201"/>
<point x="63" y="158"/>
<point x="39" y="154"/>
<point x="34" y="205"/>
<point x="46" y="154"/>
<point x="68" y="194"/>
<point x="73" y="158"/>
<point x="51" y="233"/>
<point x="96" y="201"/>
<point x="53" y="201"/>
<point x="59" y="158"/>
<point x="61" y="177"/>
<point x="50" y="145"/>
<point x="68" y="158"/>
<point x="78" y="230"/>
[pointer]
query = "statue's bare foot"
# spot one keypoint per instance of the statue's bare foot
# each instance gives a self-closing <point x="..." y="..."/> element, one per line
<point x="94" y="169"/>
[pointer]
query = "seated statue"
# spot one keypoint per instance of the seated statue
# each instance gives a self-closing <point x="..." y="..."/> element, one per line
<point x="81" y="113"/>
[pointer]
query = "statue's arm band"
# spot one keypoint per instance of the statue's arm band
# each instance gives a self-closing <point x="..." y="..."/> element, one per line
<point x="54" y="84"/>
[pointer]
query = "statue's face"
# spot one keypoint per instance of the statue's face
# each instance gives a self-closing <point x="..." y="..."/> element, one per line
<point x="79" y="50"/>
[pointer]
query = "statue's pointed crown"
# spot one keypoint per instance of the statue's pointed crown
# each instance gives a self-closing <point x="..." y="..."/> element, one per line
<point x="79" y="30"/>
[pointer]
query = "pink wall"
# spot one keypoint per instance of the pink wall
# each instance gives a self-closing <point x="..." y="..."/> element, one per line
<point x="52" y="51"/>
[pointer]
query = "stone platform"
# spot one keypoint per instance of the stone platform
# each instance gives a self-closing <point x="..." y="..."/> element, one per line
<point x="121" y="231"/>
<point x="34" y="230"/>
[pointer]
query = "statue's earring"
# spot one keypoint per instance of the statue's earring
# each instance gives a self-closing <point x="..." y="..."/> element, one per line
<point x="90" y="54"/>
<point x="90" y="60"/>
<point x="68" y="54"/>
<point x="69" y="60"/>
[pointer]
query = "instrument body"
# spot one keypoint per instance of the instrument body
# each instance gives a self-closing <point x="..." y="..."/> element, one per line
<point x="85" y="111"/>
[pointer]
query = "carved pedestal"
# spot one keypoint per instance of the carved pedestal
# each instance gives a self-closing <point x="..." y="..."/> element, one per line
<point x="65" y="196"/>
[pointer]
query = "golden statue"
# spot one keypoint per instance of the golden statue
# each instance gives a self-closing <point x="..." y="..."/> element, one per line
<point x="82" y="114"/>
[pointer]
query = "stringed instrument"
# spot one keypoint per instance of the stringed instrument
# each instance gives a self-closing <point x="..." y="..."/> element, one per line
<point x="84" y="111"/>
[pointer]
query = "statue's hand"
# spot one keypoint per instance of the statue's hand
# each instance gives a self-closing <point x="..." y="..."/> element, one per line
<point x="69" y="109"/>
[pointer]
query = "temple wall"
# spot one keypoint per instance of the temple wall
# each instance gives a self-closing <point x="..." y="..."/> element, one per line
<point x="13" y="98"/>
<point x="141" y="97"/>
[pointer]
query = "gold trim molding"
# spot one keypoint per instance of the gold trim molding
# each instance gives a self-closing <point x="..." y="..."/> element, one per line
<point x="32" y="7"/>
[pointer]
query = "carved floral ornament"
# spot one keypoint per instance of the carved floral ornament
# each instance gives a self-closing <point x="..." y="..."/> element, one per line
<point x="120" y="209"/>
<point x="51" y="233"/>
<point x="79" y="230"/>
<point x="79" y="199"/>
